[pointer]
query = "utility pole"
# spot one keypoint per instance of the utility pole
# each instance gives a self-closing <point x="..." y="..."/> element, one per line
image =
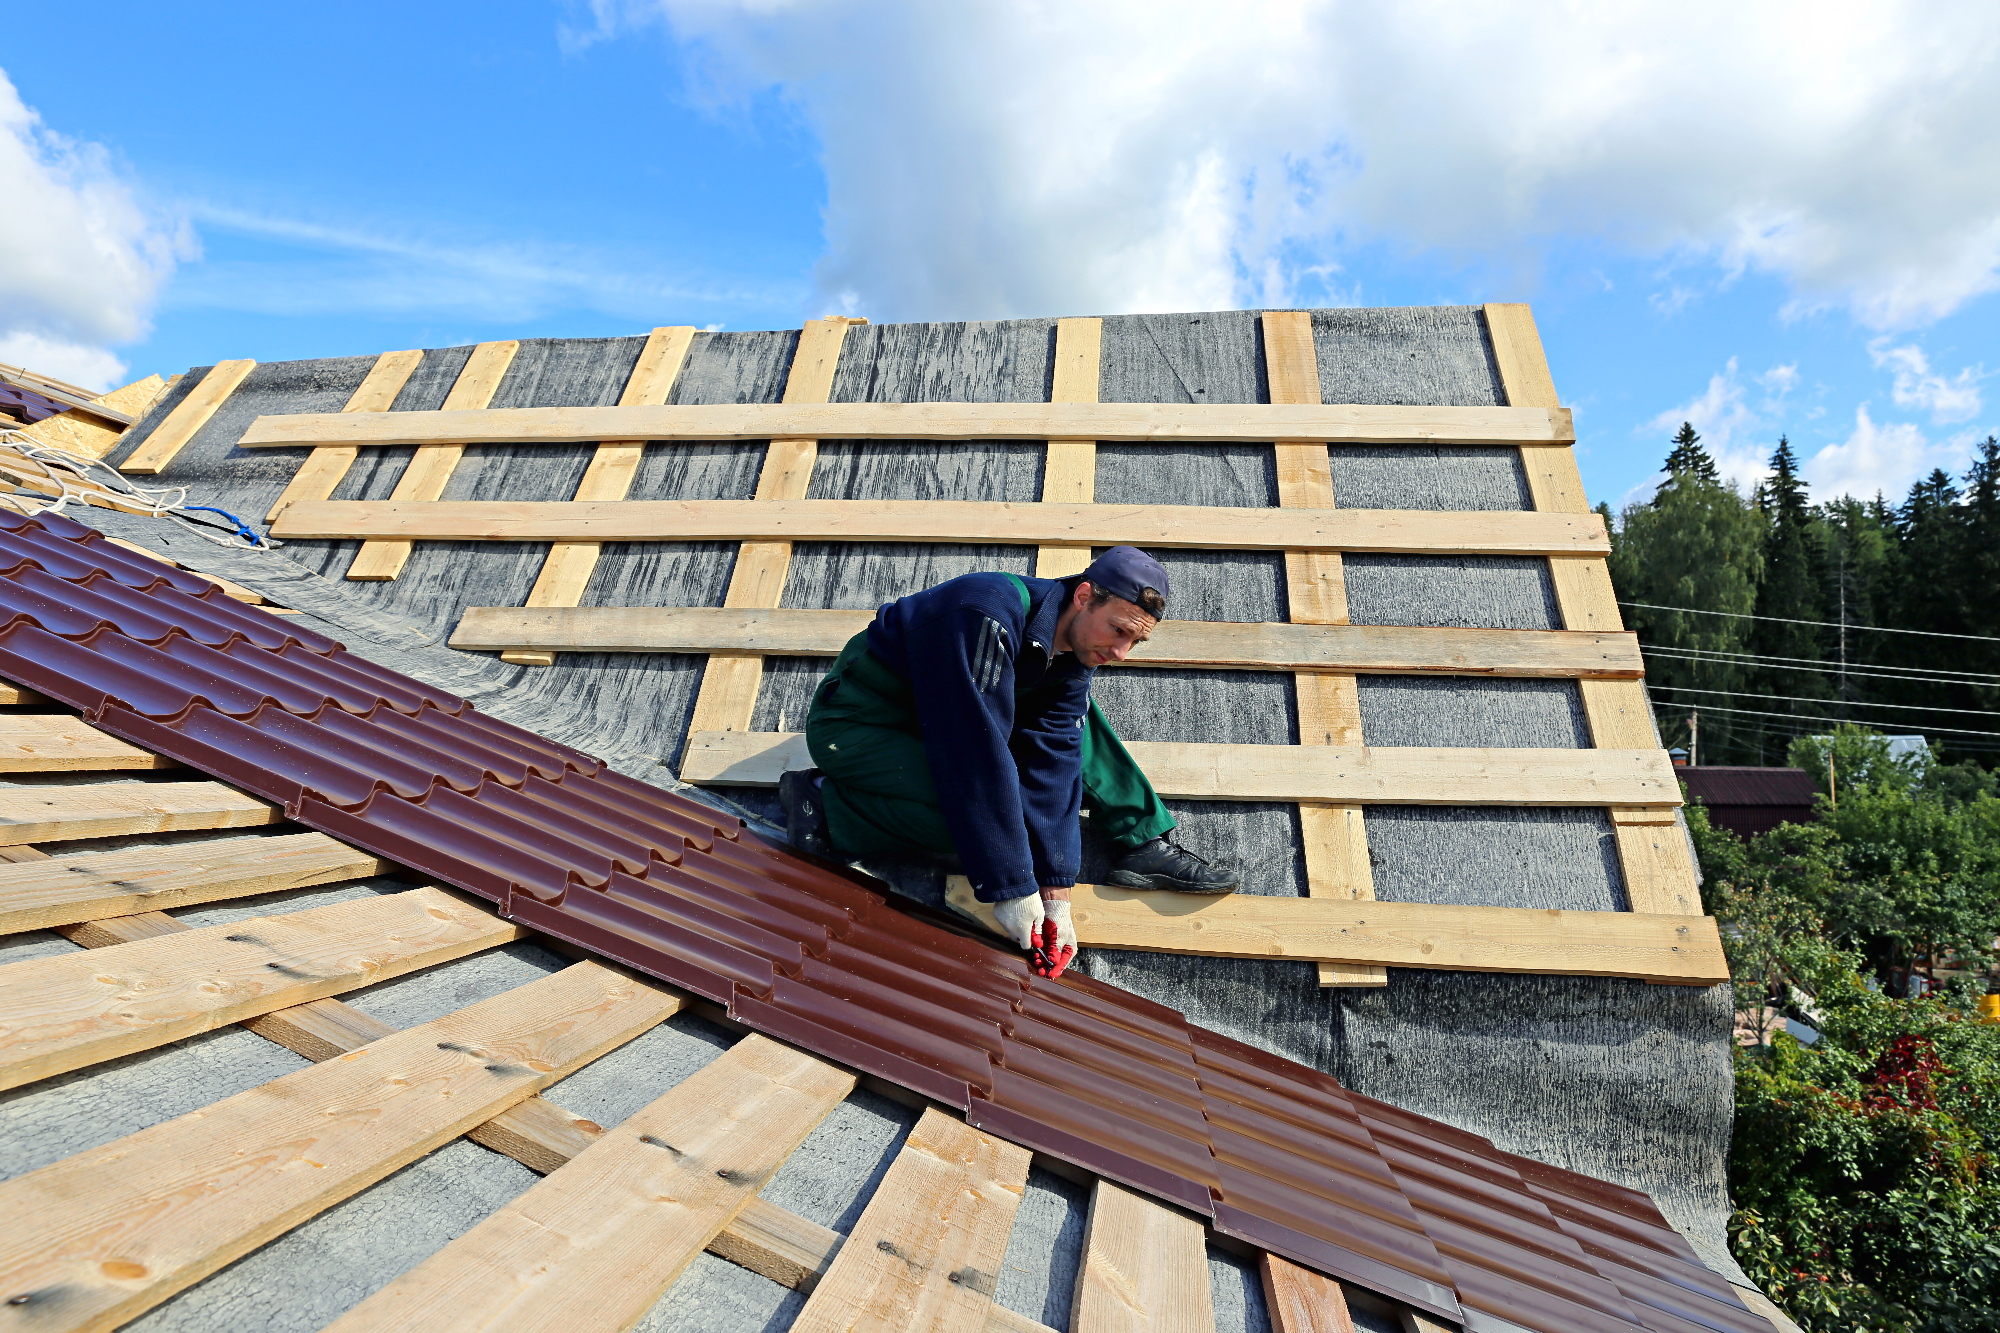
<point x="1694" y="734"/>
<point x="1843" y="628"/>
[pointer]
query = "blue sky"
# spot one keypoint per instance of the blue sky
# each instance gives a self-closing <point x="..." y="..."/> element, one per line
<point x="1786" y="223"/>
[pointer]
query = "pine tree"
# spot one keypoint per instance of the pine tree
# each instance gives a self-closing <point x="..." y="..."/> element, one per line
<point x="1788" y="592"/>
<point x="1931" y="529"/>
<point x="1697" y="544"/>
<point x="1689" y="457"/>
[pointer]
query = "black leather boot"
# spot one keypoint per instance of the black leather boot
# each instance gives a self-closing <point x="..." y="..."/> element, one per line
<point x="805" y="812"/>
<point x="1165" y="864"/>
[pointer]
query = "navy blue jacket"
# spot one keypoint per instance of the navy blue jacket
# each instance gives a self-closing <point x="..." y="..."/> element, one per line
<point x="1002" y="718"/>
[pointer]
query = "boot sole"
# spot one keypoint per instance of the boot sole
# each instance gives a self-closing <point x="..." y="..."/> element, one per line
<point x="1126" y="880"/>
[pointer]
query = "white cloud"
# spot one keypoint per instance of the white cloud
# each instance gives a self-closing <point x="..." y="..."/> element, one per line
<point x="349" y="266"/>
<point x="1738" y="434"/>
<point x="1033" y="156"/>
<point x="81" y="257"/>
<point x="1947" y="400"/>
<point x="1885" y="458"/>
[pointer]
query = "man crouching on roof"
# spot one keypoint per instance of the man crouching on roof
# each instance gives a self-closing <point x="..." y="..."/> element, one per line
<point x="960" y="721"/>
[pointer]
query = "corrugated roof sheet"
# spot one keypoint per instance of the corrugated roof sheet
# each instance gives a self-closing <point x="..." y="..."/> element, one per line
<point x="1276" y="1153"/>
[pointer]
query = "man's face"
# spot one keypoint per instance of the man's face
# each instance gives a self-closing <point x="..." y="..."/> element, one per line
<point x="1103" y="634"/>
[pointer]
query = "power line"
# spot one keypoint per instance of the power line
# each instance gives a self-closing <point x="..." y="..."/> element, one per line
<point x="1777" y="664"/>
<point x="1818" y="663"/>
<point x="1826" y="703"/>
<point x="1823" y="624"/>
<point x="1757" y="712"/>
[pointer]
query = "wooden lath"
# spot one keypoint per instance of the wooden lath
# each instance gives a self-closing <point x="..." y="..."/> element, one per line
<point x="567" y="569"/>
<point x="1658" y="868"/>
<point x="1675" y="950"/>
<point x="1191" y="527"/>
<point x="429" y="469"/>
<point x="1339" y="774"/>
<point x="1333" y="838"/>
<point x="1148" y="423"/>
<point x="1272" y="646"/>
<point x="729" y="685"/>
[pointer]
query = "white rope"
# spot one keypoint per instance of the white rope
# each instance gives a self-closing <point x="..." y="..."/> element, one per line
<point x="71" y="475"/>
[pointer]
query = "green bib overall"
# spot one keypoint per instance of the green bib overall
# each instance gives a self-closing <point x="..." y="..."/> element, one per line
<point x="864" y="735"/>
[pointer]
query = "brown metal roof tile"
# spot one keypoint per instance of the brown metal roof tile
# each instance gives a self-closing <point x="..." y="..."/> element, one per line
<point x="1279" y="1154"/>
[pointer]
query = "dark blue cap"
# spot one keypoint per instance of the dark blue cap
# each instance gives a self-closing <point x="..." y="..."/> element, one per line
<point x="1127" y="571"/>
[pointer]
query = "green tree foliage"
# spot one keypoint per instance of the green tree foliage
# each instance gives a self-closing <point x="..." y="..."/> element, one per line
<point x="1688" y="455"/>
<point x="1790" y="590"/>
<point x="1696" y="543"/>
<point x="1859" y="1166"/>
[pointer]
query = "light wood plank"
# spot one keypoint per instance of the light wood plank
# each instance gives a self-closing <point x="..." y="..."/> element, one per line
<point x="118" y="1229"/>
<point x="430" y="469"/>
<point x="926" y="1251"/>
<point x="89" y="435"/>
<point x="731" y="681"/>
<point x="1069" y="470"/>
<point x="567" y="570"/>
<point x="1145" y="1268"/>
<point x="1299" y="1300"/>
<point x="1329" y="707"/>
<point x="112" y="809"/>
<point x="1415" y="1323"/>
<point x="48" y="743"/>
<point x="791" y="1250"/>
<point x="1335" y="846"/>
<point x="1275" y="646"/>
<point x="89" y="887"/>
<point x="1391" y="531"/>
<point x="15" y="696"/>
<point x="1659" y="876"/>
<point x="1659" y="870"/>
<point x="535" y="1132"/>
<point x="72" y="1010"/>
<point x="595" y="1245"/>
<point x="323" y="469"/>
<point x="172" y="435"/>
<point x="1681" y="950"/>
<point x="1343" y="775"/>
<point x="1155" y="423"/>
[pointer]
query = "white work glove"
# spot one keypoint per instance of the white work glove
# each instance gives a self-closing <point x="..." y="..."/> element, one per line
<point x="1021" y="918"/>
<point x="1058" y="912"/>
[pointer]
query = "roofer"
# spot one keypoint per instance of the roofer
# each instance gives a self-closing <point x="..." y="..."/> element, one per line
<point x="960" y="721"/>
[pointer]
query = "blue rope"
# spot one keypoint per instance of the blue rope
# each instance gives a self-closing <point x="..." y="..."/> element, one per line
<point x="243" y="529"/>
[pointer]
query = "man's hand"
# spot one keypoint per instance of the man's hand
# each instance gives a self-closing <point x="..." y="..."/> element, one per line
<point x="1040" y="923"/>
<point x="1021" y="919"/>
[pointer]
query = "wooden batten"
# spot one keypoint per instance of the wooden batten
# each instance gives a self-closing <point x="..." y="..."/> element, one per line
<point x="1658" y="873"/>
<point x="730" y="683"/>
<point x="1191" y="527"/>
<point x="321" y="474"/>
<point x="430" y="468"/>
<point x="567" y="569"/>
<point x="1332" y="837"/>
<point x="193" y="412"/>
<point x="1276" y="646"/>
<point x="1069" y="470"/>
<point x="1147" y="423"/>
<point x="1332" y="774"/>
<point x="1670" y="949"/>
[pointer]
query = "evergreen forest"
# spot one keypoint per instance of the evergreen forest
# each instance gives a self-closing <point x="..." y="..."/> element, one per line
<point x="1766" y="616"/>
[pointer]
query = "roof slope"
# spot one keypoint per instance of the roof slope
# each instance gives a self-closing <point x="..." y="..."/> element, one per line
<point x="1278" y="1154"/>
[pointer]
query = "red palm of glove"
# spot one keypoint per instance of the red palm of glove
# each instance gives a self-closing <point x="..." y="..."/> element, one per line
<point x="1049" y="961"/>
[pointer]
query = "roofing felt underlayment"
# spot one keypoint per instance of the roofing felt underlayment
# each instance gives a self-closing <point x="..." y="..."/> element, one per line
<point x="1277" y="1154"/>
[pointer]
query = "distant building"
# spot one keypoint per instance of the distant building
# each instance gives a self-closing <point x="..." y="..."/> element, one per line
<point x="1748" y="801"/>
